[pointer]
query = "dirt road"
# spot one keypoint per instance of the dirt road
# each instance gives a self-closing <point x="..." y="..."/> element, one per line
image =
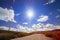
<point x="34" y="37"/>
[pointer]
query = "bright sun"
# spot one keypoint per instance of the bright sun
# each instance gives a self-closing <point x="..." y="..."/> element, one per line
<point x="30" y="13"/>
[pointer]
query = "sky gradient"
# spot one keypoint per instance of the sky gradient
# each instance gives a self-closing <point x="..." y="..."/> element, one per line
<point x="30" y="15"/>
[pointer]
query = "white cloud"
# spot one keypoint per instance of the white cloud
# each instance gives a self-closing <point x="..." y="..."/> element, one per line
<point x="38" y="27"/>
<point x="42" y="18"/>
<point x="4" y="28"/>
<point x="49" y="2"/>
<point x="58" y="27"/>
<point x="8" y="28"/>
<point x="7" y="14"/>
<point x="25" y="23"/>
<point x="13" y="29"/>
<point x="34" y="28"/>
<point x="24" y="29"/>
<point x="50" y="27"/>
<point x="42" y="27"/>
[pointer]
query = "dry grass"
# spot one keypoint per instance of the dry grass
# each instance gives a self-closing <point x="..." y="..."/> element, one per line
<point x="7" y="35"/>
<point x="53" y="34"/>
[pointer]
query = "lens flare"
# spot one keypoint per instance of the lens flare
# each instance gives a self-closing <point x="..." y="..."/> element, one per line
<point x="30" y="13"/>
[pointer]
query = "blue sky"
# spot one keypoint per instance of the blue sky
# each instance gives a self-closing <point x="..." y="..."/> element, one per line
<point x="27" y="13"/>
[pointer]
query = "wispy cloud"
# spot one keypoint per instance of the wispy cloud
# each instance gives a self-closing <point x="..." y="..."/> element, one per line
<point x="25" y="23"/>
<point x="17" y="14"/>
<point x="57" y="16"/>
<point x="42" y="18"/>
<point x="49" y="2"/>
